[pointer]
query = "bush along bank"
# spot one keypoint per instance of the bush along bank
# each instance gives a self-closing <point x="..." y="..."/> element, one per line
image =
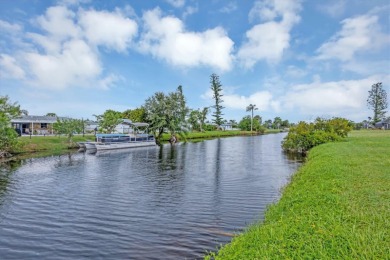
<point x="337" y="206"/>
<point x="305" y="136"/>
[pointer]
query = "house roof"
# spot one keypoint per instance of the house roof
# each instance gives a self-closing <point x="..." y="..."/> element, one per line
<point x="35" y="119"/>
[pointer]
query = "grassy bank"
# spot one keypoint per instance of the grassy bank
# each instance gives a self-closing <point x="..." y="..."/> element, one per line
<point x="48" y="143"/>
<point x="55" y="143"/>
<point x="217" y="134"/>
<point x="336" y="207"/>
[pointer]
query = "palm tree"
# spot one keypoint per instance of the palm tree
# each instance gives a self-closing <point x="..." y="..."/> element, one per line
<point x="202" y="117"/>
<point x="251" y="108"/>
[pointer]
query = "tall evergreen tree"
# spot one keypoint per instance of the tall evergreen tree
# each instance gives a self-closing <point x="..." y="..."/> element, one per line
<point x="216" y="87"/>
<point x="377" y="101"/>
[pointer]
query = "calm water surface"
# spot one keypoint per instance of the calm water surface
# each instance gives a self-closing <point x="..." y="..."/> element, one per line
<point x="146" y="203"/>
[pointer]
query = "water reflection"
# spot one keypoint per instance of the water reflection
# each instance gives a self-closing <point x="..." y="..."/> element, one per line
<point x="163" y="202"/>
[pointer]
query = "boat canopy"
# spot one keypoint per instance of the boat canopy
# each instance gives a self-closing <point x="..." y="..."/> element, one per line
<point x="136" y="124"/>
<point x="140" y="124"/>
<point x="110" y="135"/>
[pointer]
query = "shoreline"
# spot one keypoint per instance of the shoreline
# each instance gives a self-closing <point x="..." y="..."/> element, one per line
<point x="54" y="145"/>
<point x="335" y="206"/>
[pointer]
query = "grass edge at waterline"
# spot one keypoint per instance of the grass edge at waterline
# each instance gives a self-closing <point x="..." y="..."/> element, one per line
<point x="58" y="143"/>
<point x="337" y="206"/>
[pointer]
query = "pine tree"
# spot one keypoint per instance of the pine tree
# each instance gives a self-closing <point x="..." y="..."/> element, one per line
<point x="377" y="101"/>
<point x="216" y="87"/>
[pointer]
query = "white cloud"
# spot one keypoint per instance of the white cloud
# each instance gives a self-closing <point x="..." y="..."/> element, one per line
<point x="75" y="65"/>
<point x="167" y="39"/>
<point x="295" y="72"/>
<point x="334" y="8"/>
<point x="59" y="23"/>
<point x="66" y="50"/>
<point x="229" y="8"/>
<point x="367" y="67"/>
<point x="73" y="2"/>
<point x="49" y="44"/>
<point x="262" y="99"/>
<point x="357" y="34"/>
<point x="176" y="3"/>
<point x="345" y="98"/>
<point x="6" y="27"/>
<point x="112" y="30"/>
<point x="10" y="68"/>
<point x="189" y="11"/>
<point x="268" y="40"/>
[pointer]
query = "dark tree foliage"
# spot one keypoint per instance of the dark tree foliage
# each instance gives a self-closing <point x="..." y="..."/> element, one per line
<point x="68" y="127"/>
<point x="135" y="115"/>
<point x="109" y="120"/>
<point x="167" y="112"/>
<point x="216" y="87"/>
<point x="249" y="124"/>
<point x="8" y="136"/>
<point x="377" y="101"/>
<point x="304" y="136"/>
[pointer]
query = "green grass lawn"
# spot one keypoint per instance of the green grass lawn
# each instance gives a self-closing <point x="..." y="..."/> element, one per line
<point x="56" y="143"/>
<point x="337" y="206"/>
<point x="48" y="143"/>
<point x="216" y="134"/>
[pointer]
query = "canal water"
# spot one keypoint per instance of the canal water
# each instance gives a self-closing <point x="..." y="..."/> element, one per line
<point x="147" y="203"/>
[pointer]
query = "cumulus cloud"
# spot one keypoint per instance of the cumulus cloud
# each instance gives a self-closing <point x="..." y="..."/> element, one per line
<point x="167" y="39"/>
<point x="10" y="68"/>
<point x="268" y="40"/>
<point x="262" y="99"/>
<point x="6" y="27"/>
<point x="112" y="30"/>
<point x="58" y="22"/>
<point x="66" y="48"/>
<point x="345" y="98"/>
<point x="358" y="34"/>
<point x="335" y="98"/>
<point x="76" y="64"/>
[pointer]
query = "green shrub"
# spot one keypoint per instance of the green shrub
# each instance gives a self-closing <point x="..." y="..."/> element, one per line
<point x="304" y="135"/>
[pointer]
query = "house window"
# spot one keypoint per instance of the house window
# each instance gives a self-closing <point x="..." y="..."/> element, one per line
<point x="43" y="125"/>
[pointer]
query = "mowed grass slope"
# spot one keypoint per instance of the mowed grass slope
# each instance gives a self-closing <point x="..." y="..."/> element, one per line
<point x="48" y="143"/>
<point x="337" y="206"/>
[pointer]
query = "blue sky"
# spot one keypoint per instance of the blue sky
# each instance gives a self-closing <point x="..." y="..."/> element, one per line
<point x="295" y="59"/>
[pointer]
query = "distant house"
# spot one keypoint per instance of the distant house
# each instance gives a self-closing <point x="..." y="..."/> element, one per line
<point x="384" y="124"/>
<point x="125" y="127"/>
<point x="36" y="125"/>
<point x="91" y="126"/>
<point x="227" y="126"/>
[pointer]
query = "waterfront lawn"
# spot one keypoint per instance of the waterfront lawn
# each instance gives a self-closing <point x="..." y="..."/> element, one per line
<point x="216" y="134"/>
<point x="57" y="143"/>
<point x="337" y="206"/>
<point x="48" y="143"/>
